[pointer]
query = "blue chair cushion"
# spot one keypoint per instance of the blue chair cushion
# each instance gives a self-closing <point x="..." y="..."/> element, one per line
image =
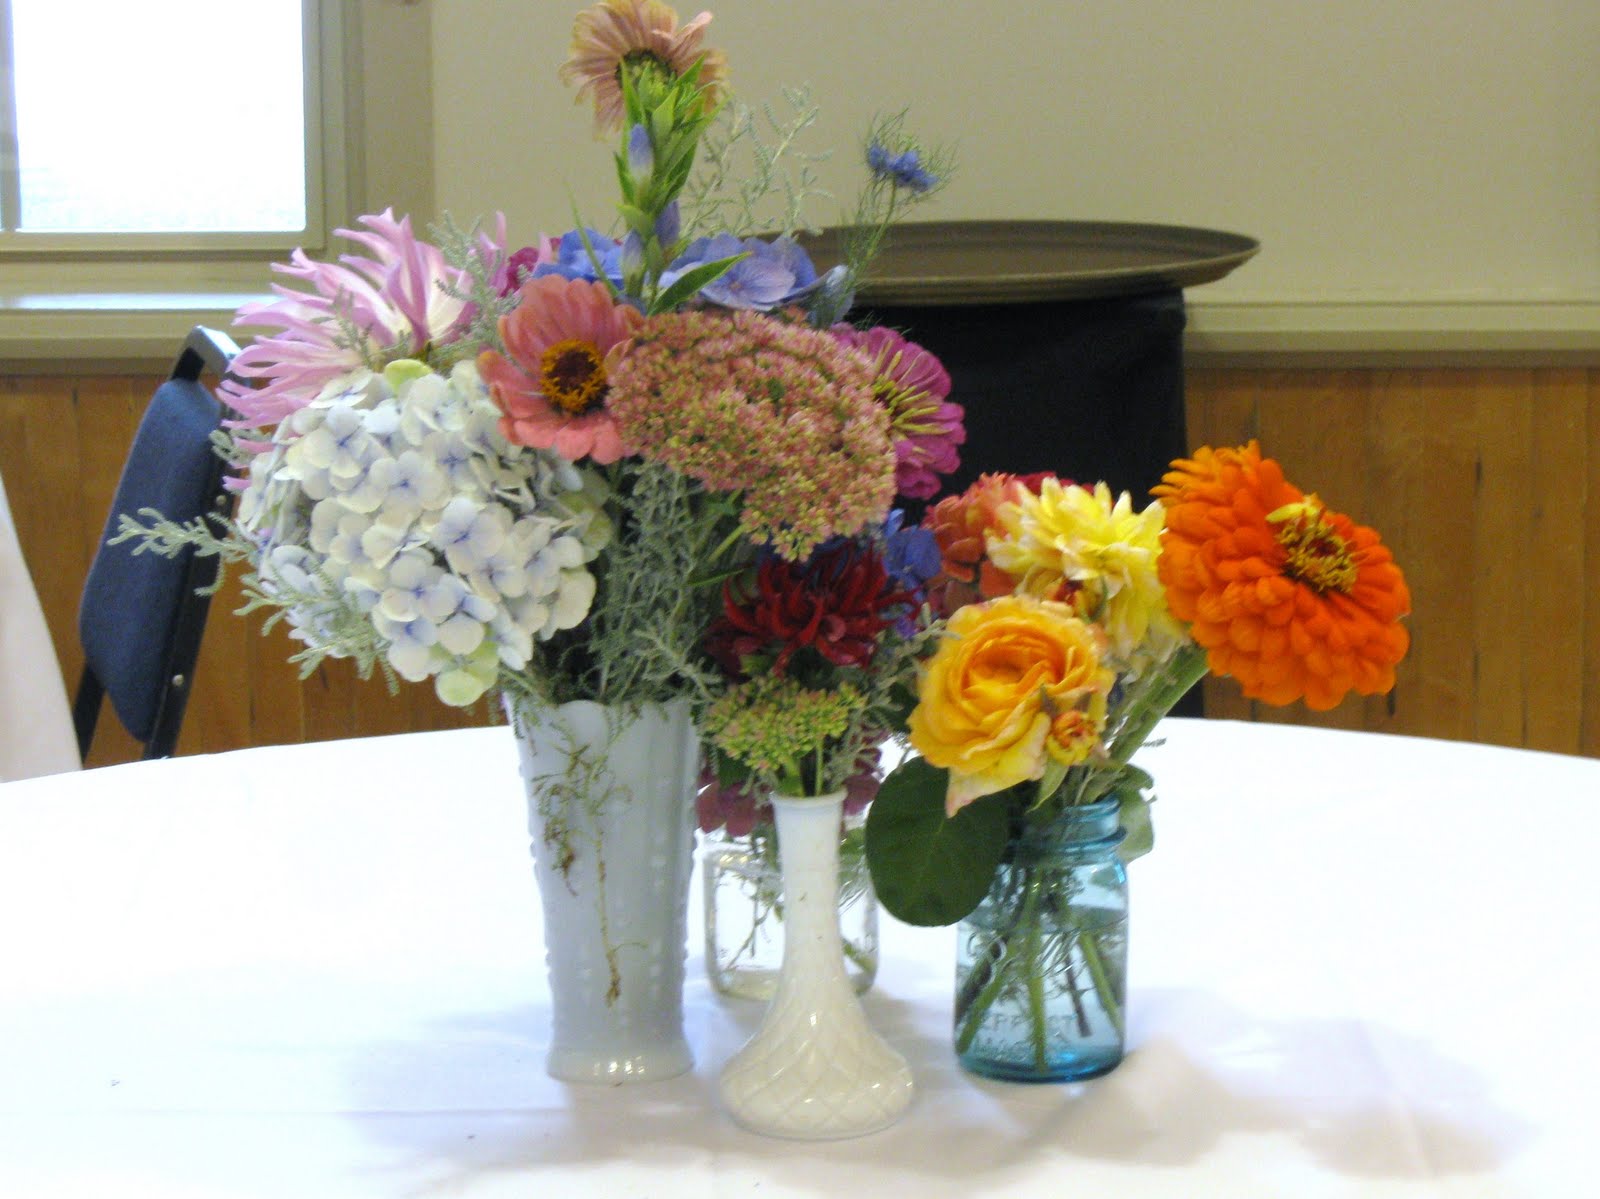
<point x="132" y="604"/>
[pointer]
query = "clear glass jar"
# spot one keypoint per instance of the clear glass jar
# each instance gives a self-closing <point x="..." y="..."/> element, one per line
<point x="1041" y="964"/>
<point x="744" y="911"/>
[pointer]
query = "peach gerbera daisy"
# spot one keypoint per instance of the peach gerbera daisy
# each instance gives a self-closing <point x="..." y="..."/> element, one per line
<point x="551" y="383"/>
<point x="617" y="34"/>
<point x="1294" y="600"/>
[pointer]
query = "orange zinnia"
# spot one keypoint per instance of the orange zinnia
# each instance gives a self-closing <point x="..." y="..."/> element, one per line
<point x="1292" y="599"/>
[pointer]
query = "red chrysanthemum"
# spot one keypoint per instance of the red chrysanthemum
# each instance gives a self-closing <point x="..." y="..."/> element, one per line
<point x="835" y="604"/>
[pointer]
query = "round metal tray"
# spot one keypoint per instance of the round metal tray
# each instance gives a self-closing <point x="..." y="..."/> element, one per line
<point x="936" y="263"/>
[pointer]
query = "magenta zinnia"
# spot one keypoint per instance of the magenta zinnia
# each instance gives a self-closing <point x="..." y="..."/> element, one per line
<point x="551" y="383"/>
<point x="356" y="315"/>
<point x="781" y="413"/>
<point x="913" y="385"/>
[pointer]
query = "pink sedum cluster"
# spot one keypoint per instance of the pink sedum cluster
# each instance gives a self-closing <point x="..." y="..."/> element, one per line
<point x="781" y="412"/>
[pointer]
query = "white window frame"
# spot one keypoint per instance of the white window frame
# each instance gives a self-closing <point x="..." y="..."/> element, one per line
<point x="126" y="309"/>
<point x="327" y="184"/>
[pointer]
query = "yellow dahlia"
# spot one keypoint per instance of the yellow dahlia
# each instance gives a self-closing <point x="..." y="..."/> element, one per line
<point x="1075" y="544"/>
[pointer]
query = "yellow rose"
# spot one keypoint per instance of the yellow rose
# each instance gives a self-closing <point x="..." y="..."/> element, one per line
<point x="1005" y="676"/>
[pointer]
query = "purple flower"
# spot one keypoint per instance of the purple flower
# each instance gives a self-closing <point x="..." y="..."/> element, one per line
<point x="900" y="170"/>
<point x="523" y="262"/>
<point x="668" y="225"/>
<point x="772" y="273"/>
<point x="641" y="155"/>
<point x="911" y="557"/>
<point x="398" y="298"/>
<point x="912" y="384"/>
<point x="572" y="259"/>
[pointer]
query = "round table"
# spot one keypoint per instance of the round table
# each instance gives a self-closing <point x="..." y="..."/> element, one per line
<point x="1358" y="967"/>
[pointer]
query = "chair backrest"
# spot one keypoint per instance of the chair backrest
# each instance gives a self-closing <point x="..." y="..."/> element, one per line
<point x="141" y="616"/>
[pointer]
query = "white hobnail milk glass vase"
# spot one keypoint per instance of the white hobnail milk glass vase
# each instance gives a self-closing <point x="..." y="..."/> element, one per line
<point x="815" y="1069"/>
<point x="610" y="817"/>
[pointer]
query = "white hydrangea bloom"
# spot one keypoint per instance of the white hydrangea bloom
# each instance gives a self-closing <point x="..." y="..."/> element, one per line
<point x="398" y="504"/>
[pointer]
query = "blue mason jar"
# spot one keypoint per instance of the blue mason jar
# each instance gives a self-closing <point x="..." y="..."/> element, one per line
<point x="1041" y="965"/>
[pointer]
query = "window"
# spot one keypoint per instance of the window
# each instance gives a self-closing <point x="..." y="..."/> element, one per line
<point x="176" y="125"/>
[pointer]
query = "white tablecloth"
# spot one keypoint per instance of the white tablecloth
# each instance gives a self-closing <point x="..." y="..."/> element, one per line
<point x="1360" y="966"/>
<point x="36" y="734"/>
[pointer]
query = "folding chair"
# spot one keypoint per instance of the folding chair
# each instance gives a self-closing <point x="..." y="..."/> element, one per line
<point x="140" y="618"/>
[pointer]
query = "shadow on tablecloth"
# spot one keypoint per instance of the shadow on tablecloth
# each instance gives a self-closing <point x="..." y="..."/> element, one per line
<point x="1333" y="1096"/>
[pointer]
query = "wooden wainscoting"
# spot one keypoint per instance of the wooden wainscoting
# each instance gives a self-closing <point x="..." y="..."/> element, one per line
<point x="1479" y="479"/>
<point x="62" y="444"/>
<point x="1486" y="484"/>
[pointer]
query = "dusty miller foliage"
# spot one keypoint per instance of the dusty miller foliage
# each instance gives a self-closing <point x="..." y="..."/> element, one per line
<point x="746" y="159"/>
<point x="460" y="248"/>
<point x="656" y="591"/>
<point x="343" y="630"/>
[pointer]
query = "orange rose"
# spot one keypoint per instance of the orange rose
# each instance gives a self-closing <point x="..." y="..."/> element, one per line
<point x="994" y="700"/>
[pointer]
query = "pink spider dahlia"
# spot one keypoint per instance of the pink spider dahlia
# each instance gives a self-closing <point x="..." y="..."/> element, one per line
<point x="552" y="382"/>
<point x="357" y="314"/>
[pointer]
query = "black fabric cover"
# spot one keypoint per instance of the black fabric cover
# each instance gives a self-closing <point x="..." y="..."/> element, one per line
<point x="133" y="605"/>
<point x="1089" y="389"/>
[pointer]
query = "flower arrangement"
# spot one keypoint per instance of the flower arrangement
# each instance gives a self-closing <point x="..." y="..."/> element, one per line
<point x="1074" y="623"/>
<point x="555" y="472"/>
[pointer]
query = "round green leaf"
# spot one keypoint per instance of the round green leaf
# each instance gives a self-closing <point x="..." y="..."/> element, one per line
<point x="928" y="868"/>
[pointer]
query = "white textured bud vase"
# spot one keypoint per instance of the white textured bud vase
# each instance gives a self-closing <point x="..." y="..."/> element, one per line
<point x="610" y="814"/>
<point x="815" y="1069"/>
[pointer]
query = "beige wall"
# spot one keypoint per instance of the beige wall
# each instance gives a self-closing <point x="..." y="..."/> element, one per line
<point x="1398" y="150"/>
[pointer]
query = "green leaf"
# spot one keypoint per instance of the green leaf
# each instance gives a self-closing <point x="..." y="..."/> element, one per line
<point x="729" y="770"/>
<point x="1133" y="813"/>
<point x="637" y="219"/>
<point x="692" y="281"/>
<point x="926" y="867"/>
<point x="625" y="180"/>
<point x="1055" y="773"/>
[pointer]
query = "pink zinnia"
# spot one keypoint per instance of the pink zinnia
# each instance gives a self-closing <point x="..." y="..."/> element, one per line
<point x="913" y="385"/>
<point x="552" y="382"/>
<point x="396" y="300"/>
<point x="616" y="35"/>
<point x="778" y="412"/>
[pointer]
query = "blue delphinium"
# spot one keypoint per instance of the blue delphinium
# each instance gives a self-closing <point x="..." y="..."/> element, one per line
<point x="911" y="557"/>
<point x="771" y="274"/>
<point x="573" y="260"/>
